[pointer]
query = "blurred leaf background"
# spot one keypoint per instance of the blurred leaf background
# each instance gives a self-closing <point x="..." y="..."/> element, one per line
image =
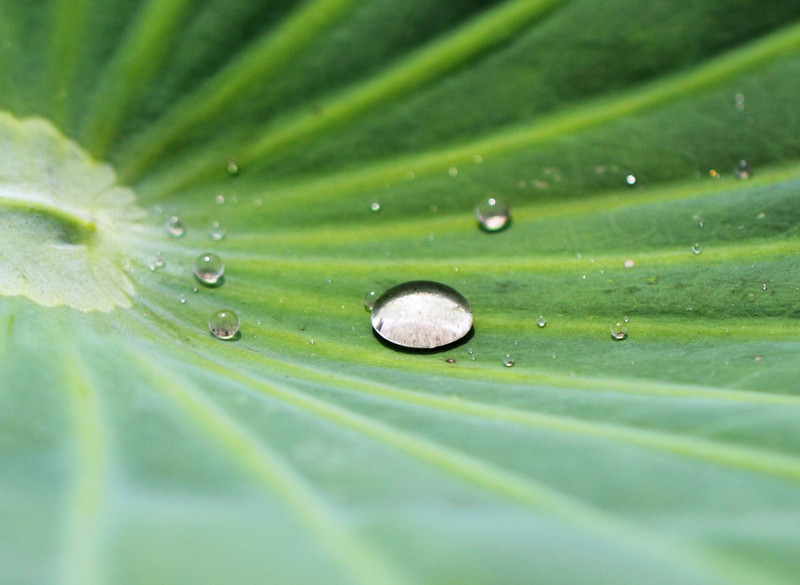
<point x="136" y="448"/>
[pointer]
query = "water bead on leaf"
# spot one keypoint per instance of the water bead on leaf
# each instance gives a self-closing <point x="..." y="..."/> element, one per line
<point x="175" y="227"/>
<point x="508" y="360"/>
<point x="421" y="314"/>
<point x="541" y="321"/>
<point x="493" y="214"/>
<point x="619" y="330"/>
<point x="224" y="324"/>
<point x="209" y="268"/>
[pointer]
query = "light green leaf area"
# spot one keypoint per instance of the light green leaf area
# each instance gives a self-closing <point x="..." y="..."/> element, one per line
<point x="137" y="448"/>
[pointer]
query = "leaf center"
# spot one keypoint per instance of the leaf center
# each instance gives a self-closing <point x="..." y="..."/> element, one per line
<point x="66" y="225"/>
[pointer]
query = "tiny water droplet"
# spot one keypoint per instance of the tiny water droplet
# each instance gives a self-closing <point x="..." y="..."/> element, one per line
<point x="739" y="102"/>
<point x="757" y="358"/>
<point x="619" y="331"/>
<point x="742" y="170"/>
<point x="375" y="206"/>
<point x="516" y="343"/>
<point x="421" y="314"/>
<point x="182" y="298"/>
<point x="493" y="214"/>
<point x="232" y="167"/>
<point x="157" y="263"/>
<point x="764" y="286"/>
<point x="508" y="360"/>
<point x="369" y="299"/>
<point x="450" y="361"/>
<point x="630" y="180"/>
<point x="470" y="351"/>
<point x="209" y="268"/>
<point x="452" y="171"/>
<point x="541" y="321"/>
<point x="219" y="199"/>
<point x="216" y="232"/>
<point x="761" y="215"/>
<point x="329" y="280"/>
<point x="697" y="249"/>
<point x="175" y="227"/>
<point x="224" y="324"/>
<point x="477" y="159"/>
<point x="629" y="263"/>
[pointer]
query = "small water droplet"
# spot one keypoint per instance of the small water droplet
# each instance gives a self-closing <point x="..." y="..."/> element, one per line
<point x="629" y="263"/>
<point x="619" y="331"/>
<point x="329" y="280"/>
<point x="516" y="343"/>
<point x="630" y="180"/>
<point x="219" y="199"/>
<point x="182" y="298"/>
<point x="157" y="263"/>
<point x="764" y="286"/>
<point x="375" y="206"/>
<point x="195" y="289"/>
<point x="421" y="314"/>
<point x="470" y="351"/>
<point x="477" y="159"/>
<point x="450" y="361"/>
<point x="232" y="167"/>
<point x="175" y="227"/>
<point x="697" y="249"/>
<point x="369" y="299"/>
<point x="216" y="232"/>
<point x="508" y="360"/>
<point x="224" y="324"/>
<point x="757" y="358"/>
<point x="541" y="321"/>
<point x="493" y="214"/>
<point x="742" y="170"/>
<point x="209" y="268"/>
<point x="452" y="171"/>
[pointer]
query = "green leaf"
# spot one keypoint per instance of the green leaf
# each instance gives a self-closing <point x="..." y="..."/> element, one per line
<point x="137" y="448"/>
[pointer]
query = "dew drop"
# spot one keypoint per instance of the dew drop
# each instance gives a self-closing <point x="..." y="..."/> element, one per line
<point x="232" y="167"/>
<point x="219" y="199"/>
<point x="175" y="227"/>
<point x="742" y="170"/>
<point x="369" y="300"/>
<point x="421" y="314"/>
<point x="541" y="321"/>
<point x="216" y="232"/>
<point x="630" y="180"/>
<point x="493" y="214"/>
<point x="375" y="206"/>
<point x="508" y="360"/>
<point x="452" y="171"/>
<point x="209" y="268"/>
<point x="619" y="331"/>
<point x="697" y="249"/>
<point x="224" y="324"/>
<point x="157" y="263"/>
<point x="629" y="263"/>
<point x="764" y="286"/>
<point x="182" y="298"/>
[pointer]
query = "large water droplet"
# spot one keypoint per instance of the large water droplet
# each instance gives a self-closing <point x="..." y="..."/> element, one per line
<point x="493" y="214"/>
<point x="421" y="314"/>
<point x="209" y="268"/>
<point x="619" y="330"/>
<point x="224" y="324"/>
<point x="175" y="227"/>
<point x="508" y="360"/>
